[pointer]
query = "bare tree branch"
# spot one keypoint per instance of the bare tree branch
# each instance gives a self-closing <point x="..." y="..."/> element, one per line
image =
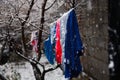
<point x="28" y="13"/>
<point x="29" y="60"/>
<point x="24" y="22"/>
<point x="50" y="5"/>
<point x="41" y="27"/>
<point x="34" y="65"/>
<point x="51" y="69"/>
<point x="73" y="4"/>
<point x="21" y="20"/>
<point x="48" y="70"/>
<point x="20" y="7"/>
<point x="38" y="7"/>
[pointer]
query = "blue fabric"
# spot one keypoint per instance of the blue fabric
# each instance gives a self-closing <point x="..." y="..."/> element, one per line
<point x="49" y="45"/>
<point x="49" y="51"/>
<point x="73" y="45"/>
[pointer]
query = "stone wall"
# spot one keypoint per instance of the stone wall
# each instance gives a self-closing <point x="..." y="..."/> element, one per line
<point x="93" y="20"/>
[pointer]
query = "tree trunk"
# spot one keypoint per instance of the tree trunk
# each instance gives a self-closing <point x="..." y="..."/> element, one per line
<point x="41" y="29"/>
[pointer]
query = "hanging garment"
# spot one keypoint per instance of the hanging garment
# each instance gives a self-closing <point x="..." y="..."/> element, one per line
<point x="34" y="40"/>
<point x="49" y="45"/>
<point x="58" y="47"/>
<point x="49" y="51"/>
<point x="71" y="44"/>
<point x="67" y="43"/>
<point x="63" y="31"/>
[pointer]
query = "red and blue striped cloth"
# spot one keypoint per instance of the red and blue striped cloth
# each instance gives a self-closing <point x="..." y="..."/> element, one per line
<point x="67" y="44"/>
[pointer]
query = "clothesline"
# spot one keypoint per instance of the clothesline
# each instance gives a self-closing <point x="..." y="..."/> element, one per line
<point x="54" y="21"/>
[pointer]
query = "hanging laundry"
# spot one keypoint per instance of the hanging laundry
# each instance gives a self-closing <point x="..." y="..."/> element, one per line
<point x="63" y="31"/>
<point x="49" y="45"/>
<point x="73" y="46"/>
<point x="34" y="40"/>
<point x="58" y="48"/>
<point x="67" y="44"/>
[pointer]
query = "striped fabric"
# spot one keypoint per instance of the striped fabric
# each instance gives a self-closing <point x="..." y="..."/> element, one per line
<point x="68" y="44"/>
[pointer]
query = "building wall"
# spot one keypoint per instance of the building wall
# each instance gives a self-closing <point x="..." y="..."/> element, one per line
<point x="93" y="20"/>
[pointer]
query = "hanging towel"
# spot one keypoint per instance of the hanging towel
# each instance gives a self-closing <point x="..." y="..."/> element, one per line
<point x="49" y="51"/>
<point x="49" y="45"/>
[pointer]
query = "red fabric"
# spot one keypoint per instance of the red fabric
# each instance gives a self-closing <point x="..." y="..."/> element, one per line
<point x="34" y="44"/>
<point x="58" y="45"/>
<point x="34" y="41"/>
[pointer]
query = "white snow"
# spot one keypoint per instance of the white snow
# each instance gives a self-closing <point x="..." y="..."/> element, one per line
<point x="24" y="71"/>
<point x="21" y="71"/>
<point x="54" y="75"/>
<point x="111" y="65"/>
<point x="111" y="56"/>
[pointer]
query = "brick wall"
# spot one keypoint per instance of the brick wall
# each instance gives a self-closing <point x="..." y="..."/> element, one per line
<point x="93" y="20"/>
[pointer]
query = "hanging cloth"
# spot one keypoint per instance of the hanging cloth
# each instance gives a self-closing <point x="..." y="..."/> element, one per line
<point x="49" y="51"/>
<point x="49" y="45"/>
<point x="66" y="40"/>
<point x="73" y="46"/>
<point x="34" y="40"/>
<point x="58" y="47"/>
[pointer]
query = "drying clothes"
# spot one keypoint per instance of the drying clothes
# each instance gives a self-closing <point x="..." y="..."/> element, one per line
<point x="49" y="51"/>
<point x="49" y="45"/>
<point x="63" y="31"/>
<point x="73" y="46"/>
<point x="34" y="40"/>
<point x="58" y="47"/>
<point x="66" y="40"/>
